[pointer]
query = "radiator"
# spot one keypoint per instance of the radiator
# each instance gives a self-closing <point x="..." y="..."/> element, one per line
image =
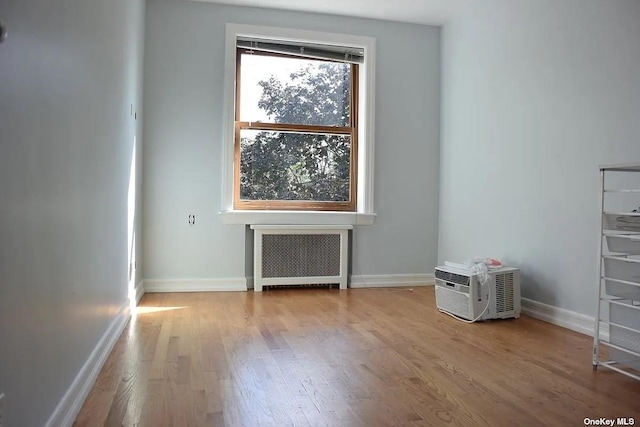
<point x="300" y="255"/>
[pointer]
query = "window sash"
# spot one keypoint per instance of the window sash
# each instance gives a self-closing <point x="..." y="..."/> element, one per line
<point x="299" y="128"/>
<point x="238" y="87"/>
<point x="316" y="205"/>
<point x="303" y="50"/>
<point x="352" y="130"/>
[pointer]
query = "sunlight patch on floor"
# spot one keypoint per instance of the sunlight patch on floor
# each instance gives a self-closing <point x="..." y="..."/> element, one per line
<point x="147" y="310"/>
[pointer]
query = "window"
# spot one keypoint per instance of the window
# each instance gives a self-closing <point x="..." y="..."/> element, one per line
<point x="296" y="127"/>
<point x="299" y="130"/>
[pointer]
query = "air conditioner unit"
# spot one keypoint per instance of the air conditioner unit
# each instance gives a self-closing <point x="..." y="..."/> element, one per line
<point x="459" y="292"/>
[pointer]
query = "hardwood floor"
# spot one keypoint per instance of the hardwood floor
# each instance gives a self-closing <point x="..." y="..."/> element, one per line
<point x="363" y="357"/>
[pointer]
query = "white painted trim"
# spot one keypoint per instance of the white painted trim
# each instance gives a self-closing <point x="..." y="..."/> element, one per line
<point x="366" y="113"/>
<point x="367" y="132"/>
<point x="139" y="291"/>
<point x="65" y="413"/>
<point x="390" y="280"/>
<point x="196" y="285"/>
<point x="565" y="318"/>
<point x="297" y="218"/>
<point x="300" y="229"/>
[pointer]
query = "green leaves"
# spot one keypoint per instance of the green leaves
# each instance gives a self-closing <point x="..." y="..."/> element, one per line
<point x="300" y="165"/>
<point x="294" y="166"/>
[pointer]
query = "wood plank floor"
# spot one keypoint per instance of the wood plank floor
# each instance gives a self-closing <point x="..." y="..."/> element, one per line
<point x="362" y="357"/>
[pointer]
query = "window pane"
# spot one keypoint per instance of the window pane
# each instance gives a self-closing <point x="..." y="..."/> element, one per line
<point x="294" y="166"/>
<point x="295" y="91"/>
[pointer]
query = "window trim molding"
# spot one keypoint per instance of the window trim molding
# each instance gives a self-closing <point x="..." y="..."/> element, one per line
<point x="297" y="217"/>
<point x="365" y="178"/>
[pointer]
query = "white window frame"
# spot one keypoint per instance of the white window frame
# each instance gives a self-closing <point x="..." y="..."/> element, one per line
<point x="364" y="214"/>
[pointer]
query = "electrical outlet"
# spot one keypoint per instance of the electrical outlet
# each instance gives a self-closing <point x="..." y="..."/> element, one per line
<point x="2" y="410"/>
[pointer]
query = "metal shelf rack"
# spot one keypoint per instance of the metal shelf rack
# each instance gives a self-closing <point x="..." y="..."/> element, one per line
<point x="616" y="342"/>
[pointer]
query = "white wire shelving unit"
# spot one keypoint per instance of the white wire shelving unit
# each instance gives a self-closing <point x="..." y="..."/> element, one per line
<point x="616" y="342"/>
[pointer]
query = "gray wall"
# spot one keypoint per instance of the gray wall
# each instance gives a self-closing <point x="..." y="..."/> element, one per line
<point x="68" y="73"/>
<point x="184" y="72"/>
<point x="535" y="95"/>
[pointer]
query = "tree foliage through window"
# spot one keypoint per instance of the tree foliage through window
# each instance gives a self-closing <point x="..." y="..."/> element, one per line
<point x="300" y="165"/>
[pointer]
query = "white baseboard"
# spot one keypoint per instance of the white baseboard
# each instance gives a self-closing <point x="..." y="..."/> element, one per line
<point x="559" y="316"/>
<point x="195" y="285"/>
<point x="139" y="291"/>
<point x="65" y="413"/>
<point x="245" y="283"/>
<point x="390" y="280"/>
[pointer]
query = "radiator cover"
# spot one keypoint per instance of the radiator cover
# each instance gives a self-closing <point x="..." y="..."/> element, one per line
<point x="300" y="255"/>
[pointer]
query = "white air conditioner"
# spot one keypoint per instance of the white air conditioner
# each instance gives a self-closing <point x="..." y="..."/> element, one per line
<point x="459" y="292"/>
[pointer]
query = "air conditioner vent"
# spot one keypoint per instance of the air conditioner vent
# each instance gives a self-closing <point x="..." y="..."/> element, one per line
<point x="452" y="277"/>
<point x="504" y="292"/>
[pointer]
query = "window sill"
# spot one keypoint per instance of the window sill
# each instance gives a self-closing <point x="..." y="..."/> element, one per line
<point x="297" y="217"/>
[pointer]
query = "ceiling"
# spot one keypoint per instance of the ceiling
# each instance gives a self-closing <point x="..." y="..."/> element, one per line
<point x="429" y="12"/>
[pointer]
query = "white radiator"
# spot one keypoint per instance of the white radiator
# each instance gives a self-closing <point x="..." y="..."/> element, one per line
<point x="300" y="255"/>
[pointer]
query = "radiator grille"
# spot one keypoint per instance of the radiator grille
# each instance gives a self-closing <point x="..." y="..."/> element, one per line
<point x="504" y="292"/>
<point x="300" y="255"/>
